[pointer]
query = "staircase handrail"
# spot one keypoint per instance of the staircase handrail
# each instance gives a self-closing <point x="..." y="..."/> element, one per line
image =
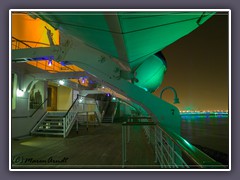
<point x="39" y="122"/>
<point x="68" y="120"/>
<point x="71" y="106"/>
<point x="105" y="108"/>
<point x="33" y="112"/>
<point x="115" y="110"/>
<point x="97" y="112"/>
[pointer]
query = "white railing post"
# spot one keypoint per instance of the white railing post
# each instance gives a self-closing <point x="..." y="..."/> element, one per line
<point x="161" y="147"/>
<point x="172" y="152"/>
<point x="128" y="131"/>
<point x="87" y="120"/>
<point x="64" y="127"/>
<point x="155" y="142"/>
<point x="124" y="157"/>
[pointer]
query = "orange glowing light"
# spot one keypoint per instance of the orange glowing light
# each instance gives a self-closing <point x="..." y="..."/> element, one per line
<point x="31" y="31"/>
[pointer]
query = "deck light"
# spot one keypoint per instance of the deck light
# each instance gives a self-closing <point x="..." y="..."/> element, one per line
<point x="20" y="93"/>
<point x="61" y="82"/>
<point x="176" y="100"/>
<point x="49" y="62"/>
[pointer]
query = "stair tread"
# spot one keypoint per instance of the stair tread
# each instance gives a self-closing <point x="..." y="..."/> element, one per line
<point x="51" y="125"/>
<point x="51" y="121"/>
<point x="49" y="129"/>
<point x="47" y="133"/>
<point x="54" y="117"/>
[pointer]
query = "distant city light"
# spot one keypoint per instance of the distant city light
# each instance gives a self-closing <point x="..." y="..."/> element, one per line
<point x="204" y="113"/>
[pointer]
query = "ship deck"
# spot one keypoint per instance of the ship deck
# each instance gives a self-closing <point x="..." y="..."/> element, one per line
<point x="98" y="147"/>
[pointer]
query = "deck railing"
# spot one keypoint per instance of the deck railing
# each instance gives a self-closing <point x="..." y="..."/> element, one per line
<point x="80" y="105"/>
<point x="68" y="119"/>
<point x="21" y="44"/>
<point x="171" y="150"/>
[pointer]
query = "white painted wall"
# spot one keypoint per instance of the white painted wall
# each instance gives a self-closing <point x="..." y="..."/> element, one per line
<point x="64" y="98"/>
<point x="21" y="123"/>
<point x="74" y="95"/>
<point x="23" y="126"/>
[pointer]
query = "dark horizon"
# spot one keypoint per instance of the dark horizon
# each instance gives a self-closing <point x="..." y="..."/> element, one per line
<point x="198" y="67"/>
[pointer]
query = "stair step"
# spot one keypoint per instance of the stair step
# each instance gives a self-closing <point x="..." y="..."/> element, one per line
<point x="49" y="129"/>
<point x="50" y="118"/>
<point x="51" y="121"/>
<point x="50" y="126"/>
<point x="106" y="121"/>
<point x="54" y="116"/>
<point x="107" y="117"/>
<point x="46" y="133"/>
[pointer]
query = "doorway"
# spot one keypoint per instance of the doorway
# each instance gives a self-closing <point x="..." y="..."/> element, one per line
<point x="52" y="98"/>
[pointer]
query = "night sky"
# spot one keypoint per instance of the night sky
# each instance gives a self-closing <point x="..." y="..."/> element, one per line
<point x="198" y="67"/>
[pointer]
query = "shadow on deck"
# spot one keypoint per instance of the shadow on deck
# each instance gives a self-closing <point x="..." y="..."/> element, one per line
<point x="98" y="147"/>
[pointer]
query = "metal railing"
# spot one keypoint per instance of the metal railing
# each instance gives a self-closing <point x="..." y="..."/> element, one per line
<point x="80" y="105"/>
<point x="167" y="155"/>
<point x="86" y="119"/>
<point x="171" y="150"/>
<point x="21" y="44"/>
<point x="68" y="119"/>
<point x="34" y="112"/>
<point x="114" y="112"/>
<point x="126" y="137"/>
<point x="98" y="113"/>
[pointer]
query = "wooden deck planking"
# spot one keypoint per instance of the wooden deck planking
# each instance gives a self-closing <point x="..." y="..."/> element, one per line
<point x="99" y="147"/>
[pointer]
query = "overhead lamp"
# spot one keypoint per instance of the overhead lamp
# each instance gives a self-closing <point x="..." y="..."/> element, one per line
<point x="176" y="100"/>
<point x="61" y="82"/>
<point x="81" y="100"/>
<point x="49" y="62"/>
<point x="20" y="93"/>
<point x="83" y="80"/>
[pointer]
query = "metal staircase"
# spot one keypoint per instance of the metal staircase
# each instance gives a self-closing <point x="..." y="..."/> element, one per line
<point x="52" y="124"/>
<point x="57" y="123"/>
<point x="110" y="113"/>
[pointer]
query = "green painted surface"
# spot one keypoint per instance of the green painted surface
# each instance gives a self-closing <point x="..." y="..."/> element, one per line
<point x="150" y="74"/>
<point x="143" y="33"/>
